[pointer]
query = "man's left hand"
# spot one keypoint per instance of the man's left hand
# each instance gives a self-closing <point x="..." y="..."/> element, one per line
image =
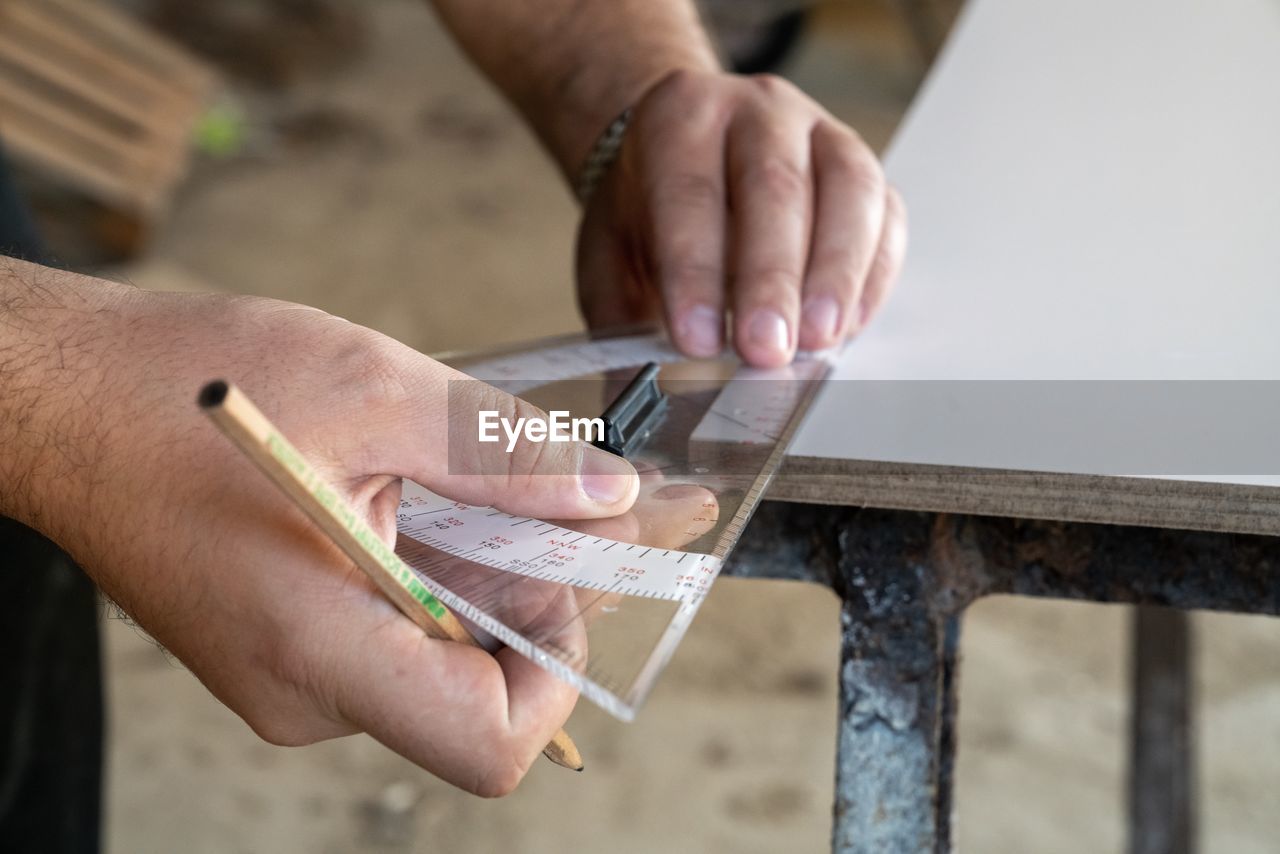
<point x="739" y="200"/>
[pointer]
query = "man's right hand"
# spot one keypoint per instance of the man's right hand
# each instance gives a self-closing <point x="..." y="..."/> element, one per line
<point x="103" y="450"/>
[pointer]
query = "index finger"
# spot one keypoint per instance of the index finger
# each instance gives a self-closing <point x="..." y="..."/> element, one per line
<point x="476" y="720"/>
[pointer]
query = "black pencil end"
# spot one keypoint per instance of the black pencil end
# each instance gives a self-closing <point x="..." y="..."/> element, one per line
<point x="213" y="394"/>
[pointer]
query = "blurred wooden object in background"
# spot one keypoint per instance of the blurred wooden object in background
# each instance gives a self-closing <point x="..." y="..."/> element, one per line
<point x="99" y="103"/>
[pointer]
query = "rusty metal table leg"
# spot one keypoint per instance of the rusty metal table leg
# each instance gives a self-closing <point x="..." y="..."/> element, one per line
<point x="895" y="743"/>
<point x="905" y="577"/>
<point x="1161" y="776"/>
<point x="898" y="661"/>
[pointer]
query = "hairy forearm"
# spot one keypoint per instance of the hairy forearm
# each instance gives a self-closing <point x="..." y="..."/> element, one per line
<point x="53" y="328"/>
<point x="571" y="66"/>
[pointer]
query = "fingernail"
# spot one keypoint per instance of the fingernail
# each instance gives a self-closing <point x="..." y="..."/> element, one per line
<point x="821" y="318"/>
<point x="768" y="331"/>
<point x="699" y="330"/>
<point x="605" y="477"/>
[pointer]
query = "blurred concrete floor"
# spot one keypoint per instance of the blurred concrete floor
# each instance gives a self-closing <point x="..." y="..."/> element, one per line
<point x="424" y="210"/>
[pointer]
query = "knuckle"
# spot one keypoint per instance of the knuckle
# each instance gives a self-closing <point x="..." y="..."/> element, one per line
<point x="842" y="135"/>
<point x="686" y="190"/>
<point x="466" y="399"/>
<point x="869" y="210"/>
<point x="861" y="171"/>
<point x="681" y="93"/>
<point x="680" y="82"/>
<point x="869" y="183"/>
<point x="691" y="276"/>
<point x="779" y="177"/>
<point x="772" y="284"/>
<point x="466" y="395"/>
<point x="773" y="86"/>
<point x="382" y="377"/>
<point x="682" y="108"/>
<point x="840" y="146"/>
<point x="284" y="657"/>
<point x="837" y="272"/>
<point x="371" y="371"/>
<point x="527" y="459"/>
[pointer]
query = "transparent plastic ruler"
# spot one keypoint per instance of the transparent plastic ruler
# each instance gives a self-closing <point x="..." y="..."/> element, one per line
<point x="603" y="604"/>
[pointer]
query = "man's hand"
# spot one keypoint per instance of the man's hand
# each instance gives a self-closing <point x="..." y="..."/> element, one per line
<point x="740" y="198"/>
<point x="103" y="449"/>
<point x="734" y="198"/>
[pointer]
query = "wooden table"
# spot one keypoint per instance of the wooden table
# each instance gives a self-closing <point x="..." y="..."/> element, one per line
<point x="1071" y="395"/>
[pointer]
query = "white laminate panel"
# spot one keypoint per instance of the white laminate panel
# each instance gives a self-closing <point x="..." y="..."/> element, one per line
<point x="1094" y="191"/>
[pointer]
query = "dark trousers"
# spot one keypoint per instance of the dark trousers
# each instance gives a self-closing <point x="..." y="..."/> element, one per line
<point x="50" y="665"/>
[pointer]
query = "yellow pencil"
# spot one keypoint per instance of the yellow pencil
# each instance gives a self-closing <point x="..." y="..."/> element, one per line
<point x="255" y="435"/>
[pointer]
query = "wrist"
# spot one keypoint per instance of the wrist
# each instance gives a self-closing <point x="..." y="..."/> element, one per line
<point x="612" y="60"/>
<point x="570" y="67"/>
<point x="57" y="335"/>
<point x="589" y="102"/>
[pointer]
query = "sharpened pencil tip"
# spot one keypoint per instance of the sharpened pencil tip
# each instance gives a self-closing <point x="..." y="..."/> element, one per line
<point x="564" y="752"/>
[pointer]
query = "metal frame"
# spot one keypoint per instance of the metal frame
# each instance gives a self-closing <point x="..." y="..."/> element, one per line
<point x="905" y="578"/>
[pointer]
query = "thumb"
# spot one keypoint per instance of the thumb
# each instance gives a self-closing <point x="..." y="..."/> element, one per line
<point x="550" y="477"/>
